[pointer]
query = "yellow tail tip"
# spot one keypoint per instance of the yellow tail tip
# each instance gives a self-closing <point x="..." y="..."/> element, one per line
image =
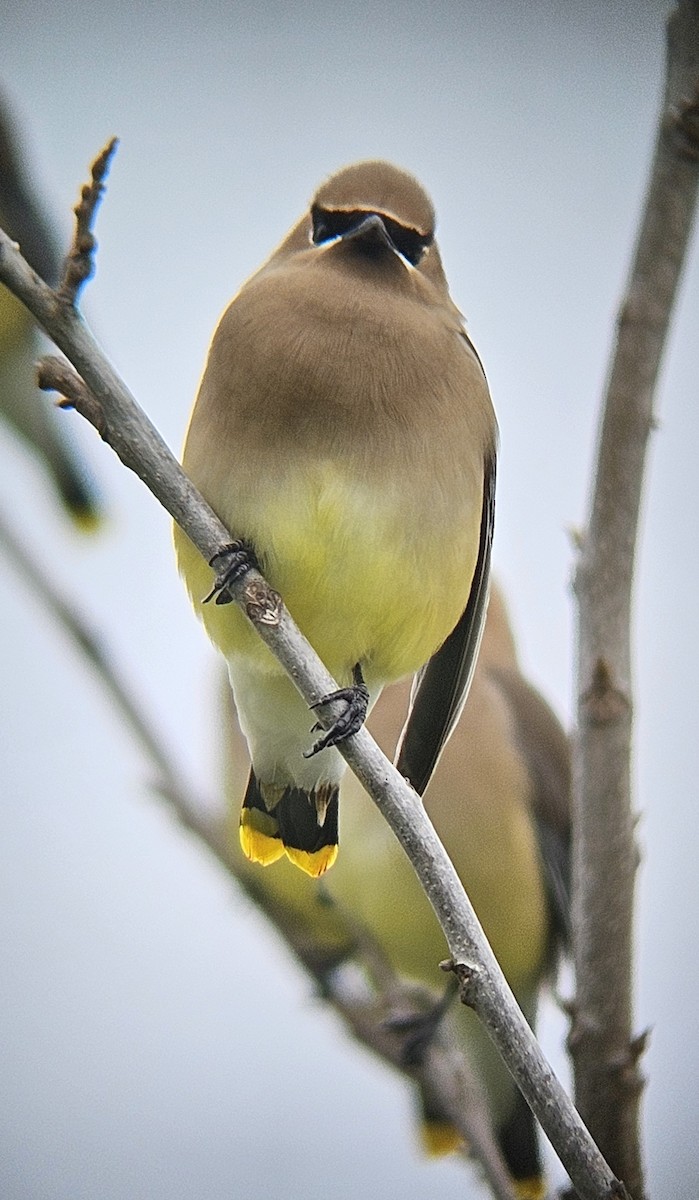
<point x="313" y="862"/>
<point x="259" y="846"/>
<point x="533" y="1188"/>
<point x="87" y="521"/>
<point x="439" y="1138"/>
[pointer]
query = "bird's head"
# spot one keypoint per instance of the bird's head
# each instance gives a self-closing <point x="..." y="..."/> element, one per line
<point x="376" y="206"/>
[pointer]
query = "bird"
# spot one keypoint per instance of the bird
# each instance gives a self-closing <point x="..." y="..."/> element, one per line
<point x="500" y="801"/>
<point x="24" y="408"/>
<point x="344" y="432"/>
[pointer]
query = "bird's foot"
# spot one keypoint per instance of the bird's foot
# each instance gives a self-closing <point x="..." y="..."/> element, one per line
<point x="230" y="564"/>
<point x="349" y="722"/>
<point x="419" y="1029"/>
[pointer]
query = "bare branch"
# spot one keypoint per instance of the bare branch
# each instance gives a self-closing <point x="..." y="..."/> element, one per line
<point x="56" y="375"/>
<point x="605" y="1053"/>
<point x="140" y="447"/>
<point x="80" y="263"/>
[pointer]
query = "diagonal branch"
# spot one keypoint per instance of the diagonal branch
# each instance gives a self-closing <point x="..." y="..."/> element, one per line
<point x="608" y="1083"/>
<point x="140" y="447"/>
<point x="442" y="1068"/>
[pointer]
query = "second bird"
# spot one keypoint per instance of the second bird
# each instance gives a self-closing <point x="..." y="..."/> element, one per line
<point x="344" y="432"/>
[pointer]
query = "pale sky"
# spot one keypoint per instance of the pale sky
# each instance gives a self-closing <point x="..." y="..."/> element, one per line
<point x="155" y="1041"/>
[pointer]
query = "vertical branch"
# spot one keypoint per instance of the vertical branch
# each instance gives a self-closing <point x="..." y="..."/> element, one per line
<point x="605" y="1053"/>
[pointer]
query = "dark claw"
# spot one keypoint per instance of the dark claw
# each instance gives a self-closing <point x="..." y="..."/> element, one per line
<point x="349" y="722"/>
<point x="230" y="565"/>
<point x="419" y="1029"/>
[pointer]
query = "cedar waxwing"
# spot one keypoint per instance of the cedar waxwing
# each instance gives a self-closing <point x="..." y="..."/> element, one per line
<point x="27" y="410"/>
<point x="500" y="800"/>
<point x="344" y="432"/>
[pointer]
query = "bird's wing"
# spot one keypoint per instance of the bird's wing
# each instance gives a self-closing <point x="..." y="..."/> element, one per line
<point x="441" y="687"/>
<point x="546" y="751"/>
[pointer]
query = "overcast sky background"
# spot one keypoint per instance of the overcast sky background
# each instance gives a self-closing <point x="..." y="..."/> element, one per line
<point x="154" y="1039"/>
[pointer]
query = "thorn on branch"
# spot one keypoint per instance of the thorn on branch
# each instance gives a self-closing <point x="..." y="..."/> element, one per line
<point x="56" y="375"/>
<point x="467" y="978"/>
<point x="79" y="266"/>
<point x="639" y="1044"/>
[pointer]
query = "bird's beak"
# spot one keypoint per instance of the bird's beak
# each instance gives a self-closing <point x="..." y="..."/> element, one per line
<point x="370" y="229"/>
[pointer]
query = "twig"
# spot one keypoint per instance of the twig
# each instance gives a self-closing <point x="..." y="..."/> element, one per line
<point x="80" y="264"/>
<point x="56" y="375"/>
<point x="141" y="448"/>
<point x="608" y="1083"/>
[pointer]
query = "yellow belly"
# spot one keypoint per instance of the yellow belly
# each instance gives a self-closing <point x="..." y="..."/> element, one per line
<point x="367" y="577"/>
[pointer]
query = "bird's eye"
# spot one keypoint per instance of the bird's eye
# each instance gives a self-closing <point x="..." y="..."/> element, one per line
<point x="329" y="224"/>
<point x="408" y="242"/>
